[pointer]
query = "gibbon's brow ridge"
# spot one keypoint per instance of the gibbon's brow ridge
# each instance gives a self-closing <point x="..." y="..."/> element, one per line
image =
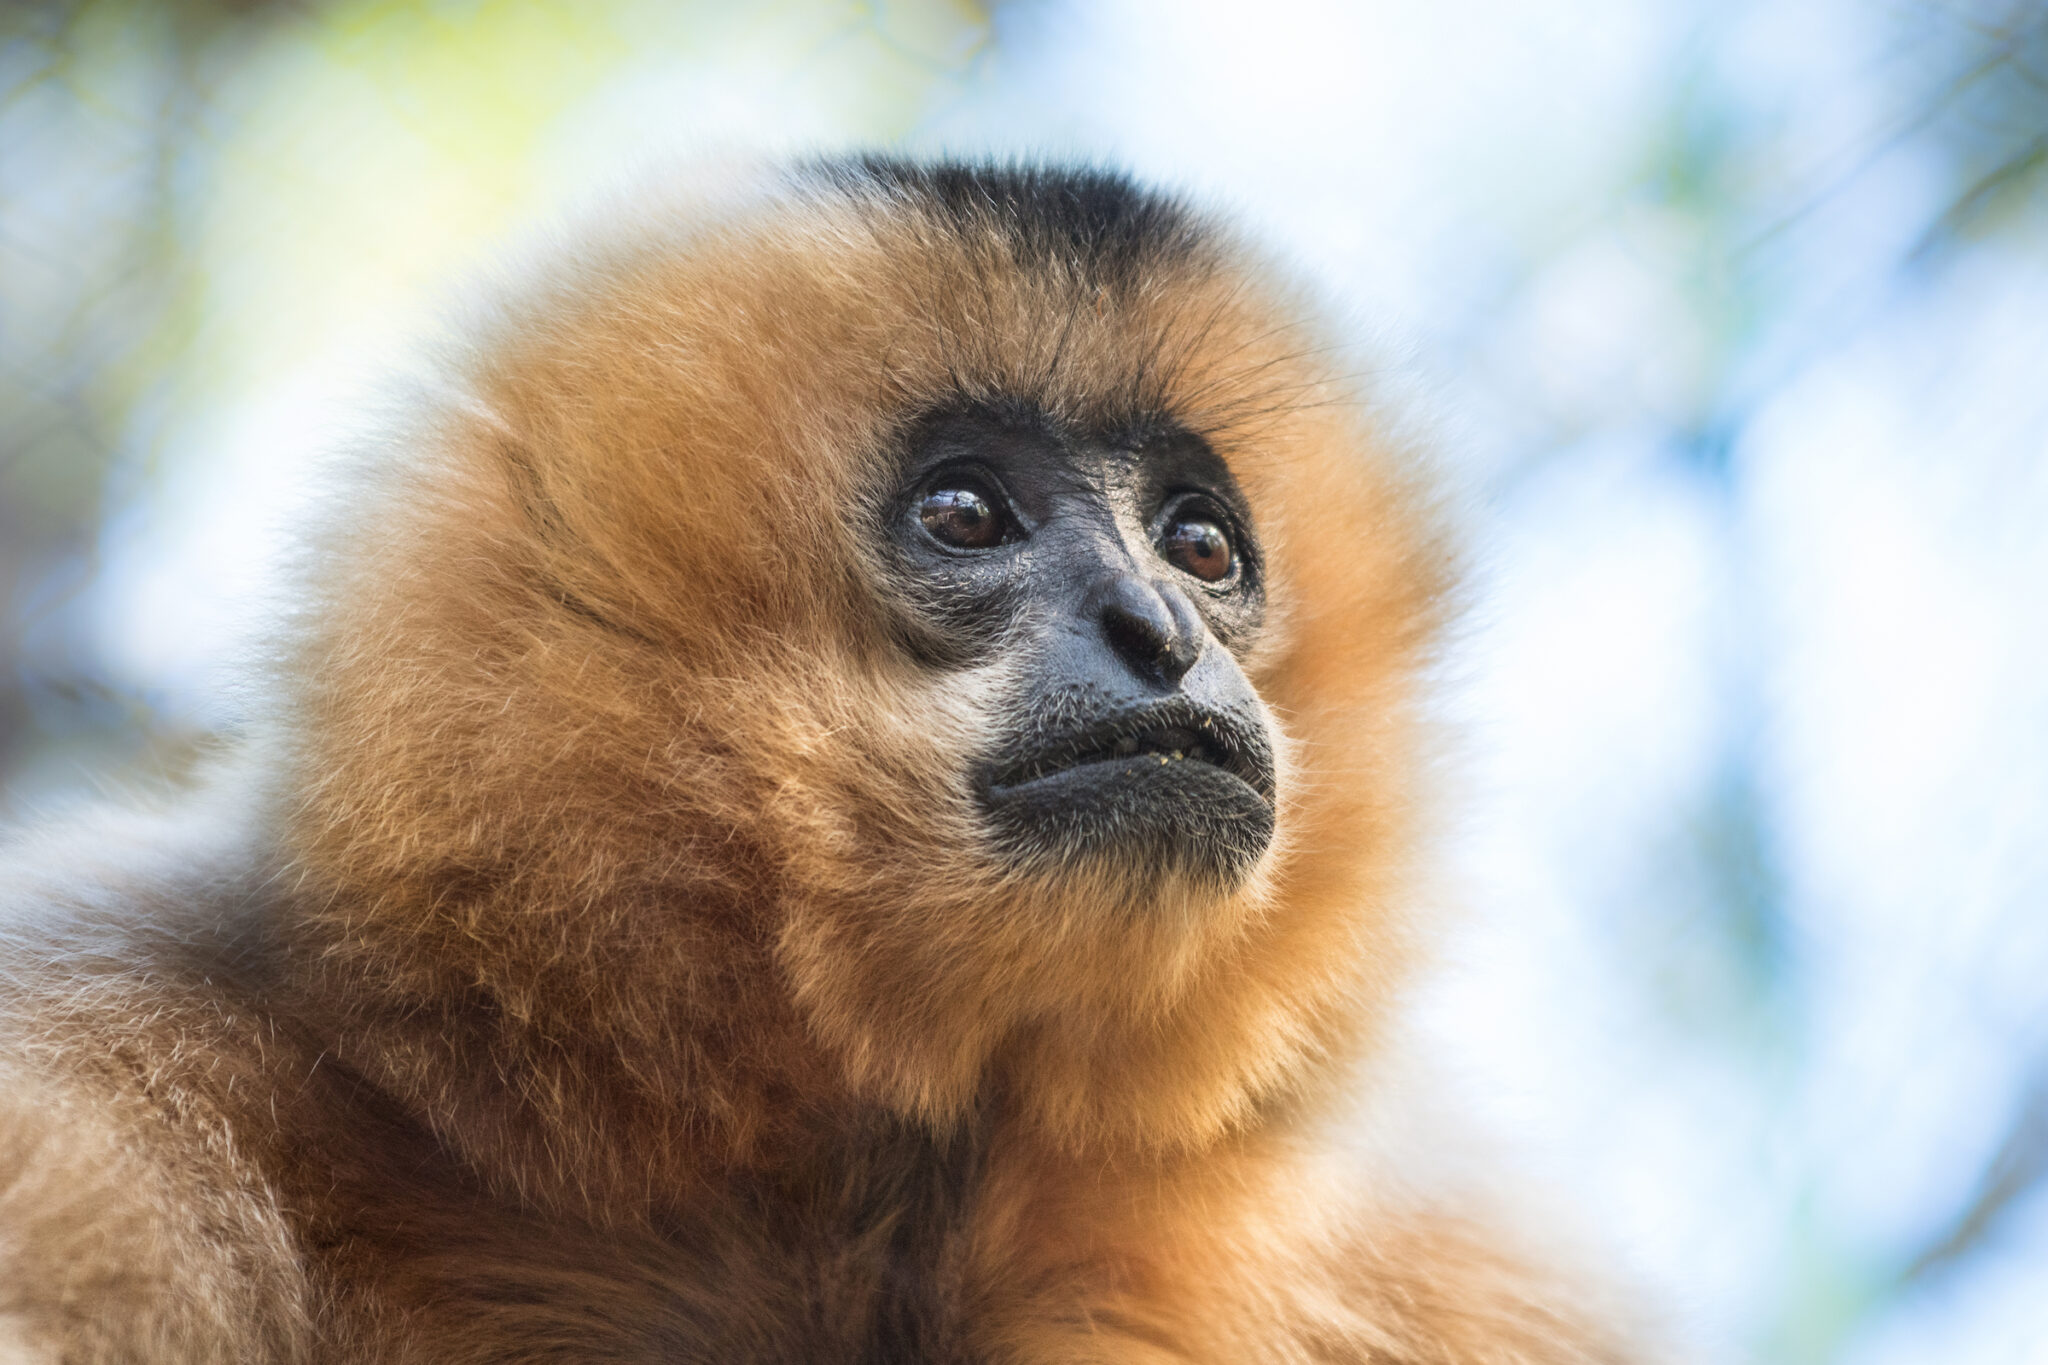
<point x="1097" y="222"/>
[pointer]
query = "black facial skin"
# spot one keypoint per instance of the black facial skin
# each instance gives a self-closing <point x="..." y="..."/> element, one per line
<point x="1125" y="570"/>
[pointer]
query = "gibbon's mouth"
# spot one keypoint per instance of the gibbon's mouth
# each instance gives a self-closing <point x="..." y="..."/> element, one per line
<point x="1157" y="737"/>
<point x="1174" y="786"/>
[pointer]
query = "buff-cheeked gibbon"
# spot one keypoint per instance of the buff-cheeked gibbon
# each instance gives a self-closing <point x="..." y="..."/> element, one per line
<point x="844" y="792"/>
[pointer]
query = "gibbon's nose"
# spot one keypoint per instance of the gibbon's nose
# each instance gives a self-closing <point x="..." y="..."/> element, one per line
<point x="1150" y="626"/>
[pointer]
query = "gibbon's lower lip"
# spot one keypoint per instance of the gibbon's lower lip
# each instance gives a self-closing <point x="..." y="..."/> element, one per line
<point x="1138" y="776"/>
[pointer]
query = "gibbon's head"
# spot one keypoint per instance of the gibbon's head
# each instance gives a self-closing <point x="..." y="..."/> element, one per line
<point x="956" y="611"/>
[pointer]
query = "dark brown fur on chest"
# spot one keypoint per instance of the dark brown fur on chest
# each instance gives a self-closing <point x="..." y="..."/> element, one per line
<point x="854" y="1254"/>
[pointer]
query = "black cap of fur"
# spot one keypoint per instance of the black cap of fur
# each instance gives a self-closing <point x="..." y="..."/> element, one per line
<point x="1098" y="223"/>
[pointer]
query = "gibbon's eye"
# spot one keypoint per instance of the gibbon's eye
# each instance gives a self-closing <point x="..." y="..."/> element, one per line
<point x="963" y="517"/>
<point x="1198" y="545"/>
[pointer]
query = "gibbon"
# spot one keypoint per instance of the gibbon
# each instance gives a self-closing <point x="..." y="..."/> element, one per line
<point x="844" y="791"/>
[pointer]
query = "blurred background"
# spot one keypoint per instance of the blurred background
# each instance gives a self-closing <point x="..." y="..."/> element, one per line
<point x="1732" y="318"/>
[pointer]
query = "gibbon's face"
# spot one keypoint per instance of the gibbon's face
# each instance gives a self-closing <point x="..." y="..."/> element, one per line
<point x="1121" y="571"/>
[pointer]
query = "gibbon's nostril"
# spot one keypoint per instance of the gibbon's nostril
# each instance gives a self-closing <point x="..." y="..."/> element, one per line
<point x="1153" y="639"/>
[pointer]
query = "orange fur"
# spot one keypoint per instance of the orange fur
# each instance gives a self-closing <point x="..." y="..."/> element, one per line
<point x="611" y="966"/>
